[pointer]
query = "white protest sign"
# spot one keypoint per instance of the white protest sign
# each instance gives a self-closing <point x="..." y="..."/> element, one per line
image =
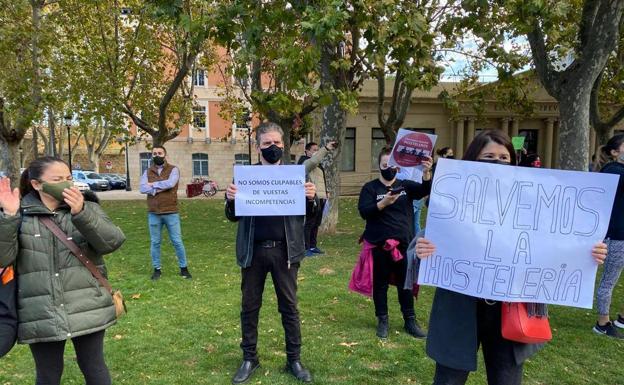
<point x="516" y="234"/>
<point x="270" y="190"/>
<point x="409" y="150"/>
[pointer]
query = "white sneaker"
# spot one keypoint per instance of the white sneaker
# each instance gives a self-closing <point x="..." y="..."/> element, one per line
<point x="619" y="322"/>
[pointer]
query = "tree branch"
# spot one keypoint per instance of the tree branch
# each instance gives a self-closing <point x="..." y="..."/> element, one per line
<point x="140" y="123"/>
<point x="594" y="110"/>
<point x="547" y="74"/>
<point x="588" y="18"/>
<point x="173" y="88"/>
<point x="381" y="93"/>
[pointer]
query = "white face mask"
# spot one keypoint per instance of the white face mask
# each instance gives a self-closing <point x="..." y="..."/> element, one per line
<point x="621" y="157"/>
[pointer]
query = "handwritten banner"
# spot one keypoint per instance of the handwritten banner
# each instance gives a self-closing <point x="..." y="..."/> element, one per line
<point x="270" y="190"/>
<point x="516" y="234"/>
<point x="409" y="150"/>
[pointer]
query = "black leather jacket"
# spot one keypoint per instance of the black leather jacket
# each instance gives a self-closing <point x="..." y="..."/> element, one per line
<point x="293" y="228"/>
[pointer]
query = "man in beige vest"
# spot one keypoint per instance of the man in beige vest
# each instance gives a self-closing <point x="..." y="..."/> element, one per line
<point x="160" y="183"/>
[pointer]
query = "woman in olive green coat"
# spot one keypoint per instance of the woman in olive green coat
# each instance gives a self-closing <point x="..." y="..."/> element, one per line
<point x="58" y="298"/>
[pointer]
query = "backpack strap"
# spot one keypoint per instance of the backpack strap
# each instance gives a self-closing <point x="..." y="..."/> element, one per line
<point x="75" y="249"/>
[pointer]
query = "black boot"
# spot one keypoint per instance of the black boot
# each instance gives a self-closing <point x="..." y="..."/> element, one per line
<point x="412" y="328"/>
<point x="382" y="326"/>
<point x="298" y="371"/>
<point x="245" y="371"/>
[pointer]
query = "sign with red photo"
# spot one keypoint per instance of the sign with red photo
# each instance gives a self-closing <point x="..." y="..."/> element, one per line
<point x="411" y="148"/>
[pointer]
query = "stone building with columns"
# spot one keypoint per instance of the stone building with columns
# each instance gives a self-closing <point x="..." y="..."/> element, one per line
<point x="428" y="114"/>
<point x="211" y="145"/>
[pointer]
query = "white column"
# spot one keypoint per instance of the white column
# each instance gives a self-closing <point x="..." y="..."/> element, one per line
<point x="459" y="137"/>
<point x="471" y="129"/>
<point x="515" y="127"/>
<point x="549" y="141"/>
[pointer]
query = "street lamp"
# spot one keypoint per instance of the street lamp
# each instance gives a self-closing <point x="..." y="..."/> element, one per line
<point x="128" y="188"/>
<point x="68" y="120"/>
<point x="247" y="117"/>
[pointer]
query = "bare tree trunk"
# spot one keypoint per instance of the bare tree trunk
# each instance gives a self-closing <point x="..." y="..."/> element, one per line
<point x="60" y="151"/>
<point x="602" y="137"/>
<point x="333" y="129"/>
<point x="44" y="140"/>
<point x="574" y="130"/>
<point x="51" y="129"/>
<point x="35" y="143"/>
<point x="286" y="125"/>
<point x="598" y="33"/>
<point x="9" y="160"/>
<point x="95" y="162"/>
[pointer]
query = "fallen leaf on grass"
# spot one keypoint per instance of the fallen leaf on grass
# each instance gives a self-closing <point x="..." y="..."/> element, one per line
<point x="136" y="296"/>
<point x="326" y="271"/>
<point x="349" y="344"/>
<point x="118" y="336"/>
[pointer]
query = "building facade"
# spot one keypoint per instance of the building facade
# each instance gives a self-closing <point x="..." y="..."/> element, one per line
<point x="211" y="146"/>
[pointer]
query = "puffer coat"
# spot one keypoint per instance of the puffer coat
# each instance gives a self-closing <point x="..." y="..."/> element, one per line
<point x="58" y="298"/>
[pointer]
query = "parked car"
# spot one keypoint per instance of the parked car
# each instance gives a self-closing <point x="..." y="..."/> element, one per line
<point x="93" y="179"/>
<point x="121" y="176"/>
<point x="115" y="182"/>
<point x="81" y="186"/>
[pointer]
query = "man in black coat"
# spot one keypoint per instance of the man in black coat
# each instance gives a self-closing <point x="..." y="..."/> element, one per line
<point x="270" y="244"/>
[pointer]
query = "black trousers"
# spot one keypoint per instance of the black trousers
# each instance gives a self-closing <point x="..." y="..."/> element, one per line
<point x="274" y="261"/>
<point x="89" y="353"/>
<point x="383" y="267"/>
<point x="498" y="354"/>
<point x="312" y="224"/>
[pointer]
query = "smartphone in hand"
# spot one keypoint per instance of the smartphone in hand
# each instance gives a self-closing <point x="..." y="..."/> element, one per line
<point x="397" y="190"/>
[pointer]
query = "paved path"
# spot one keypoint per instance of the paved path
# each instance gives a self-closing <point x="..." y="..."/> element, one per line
<point x="123" y="195"/>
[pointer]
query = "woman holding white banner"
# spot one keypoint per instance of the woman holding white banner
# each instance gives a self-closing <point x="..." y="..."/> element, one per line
<point x="611" y="161"/>
<point x="459" y="323"/>
<point x="386" y="206"/>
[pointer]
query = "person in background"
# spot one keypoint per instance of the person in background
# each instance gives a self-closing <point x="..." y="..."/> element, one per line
<point x="385" y="204"/>
<point x="530" y="160"/>
<point x="270" y="244"/>
<point x="160" y="184"/>
<point x="58" y="298"/>
<point x="312" y="161"/>
<point x="460" y="323"/>
<point x="611" y="161"/>
<point x="591" y="168"/>
<point x="444" y="152"/>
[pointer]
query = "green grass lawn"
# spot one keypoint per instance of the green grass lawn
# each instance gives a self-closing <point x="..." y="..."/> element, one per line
<point x="187" y="332"/>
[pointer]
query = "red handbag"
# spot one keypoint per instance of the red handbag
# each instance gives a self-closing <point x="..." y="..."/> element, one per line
<point x="517" y="325"/>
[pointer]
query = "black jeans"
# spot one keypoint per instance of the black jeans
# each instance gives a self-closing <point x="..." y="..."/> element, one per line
<point x="274" y="261"/>
<point x="89" y="353"/>
<point x="312" y="224"/>
<point x="383" y="267"/>
<point x="498" y="354"/>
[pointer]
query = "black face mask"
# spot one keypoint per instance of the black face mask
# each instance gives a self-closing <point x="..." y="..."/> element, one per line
<point x="388" y="173"/>
<point x="158" y="160"/>
<point x="494" y="161"/>
<point x="272" y="154"/>
<point x="450" y="157"/>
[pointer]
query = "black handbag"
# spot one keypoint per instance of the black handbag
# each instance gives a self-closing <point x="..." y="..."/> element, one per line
<point x="8" y="311"/>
